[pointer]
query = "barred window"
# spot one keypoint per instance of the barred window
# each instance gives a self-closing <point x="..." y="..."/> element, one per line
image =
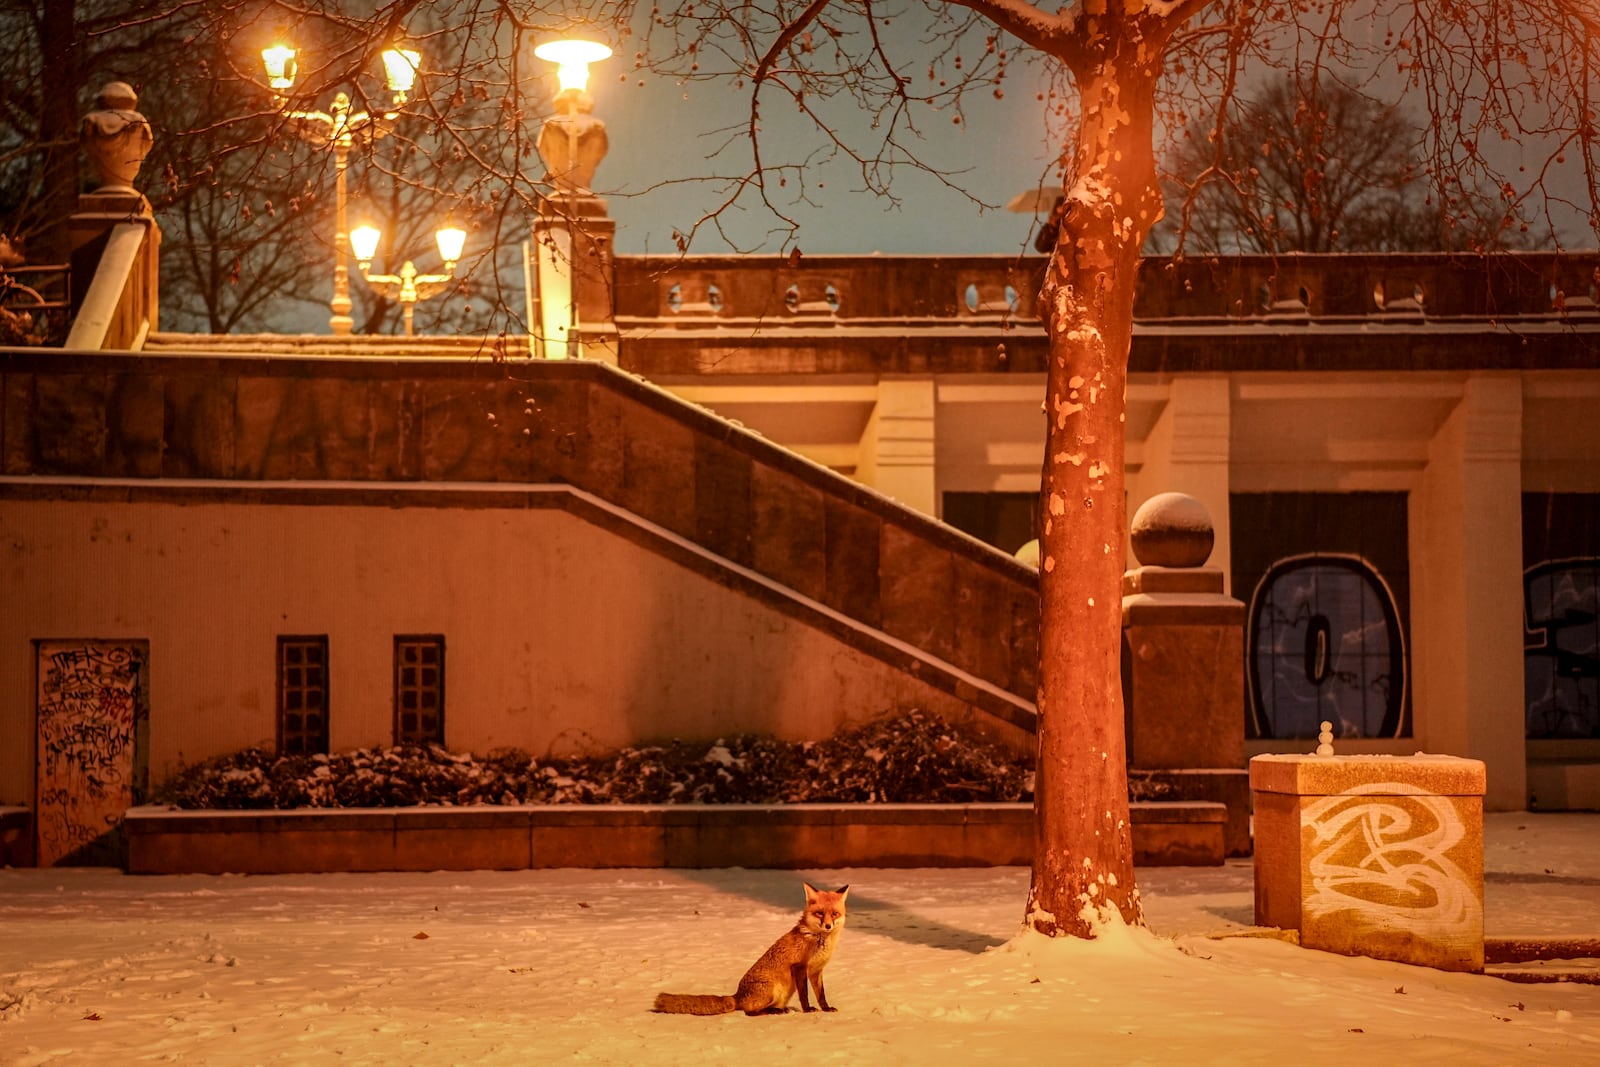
<point x="419" y="688"/>
<point x="302" y="694"/>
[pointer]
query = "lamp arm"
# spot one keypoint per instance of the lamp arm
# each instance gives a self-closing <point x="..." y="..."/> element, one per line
<point x="390" y="283"/>
<point x="363" y="125"/>
<point x="432" y="284"/>
<point x="318" y="127"/>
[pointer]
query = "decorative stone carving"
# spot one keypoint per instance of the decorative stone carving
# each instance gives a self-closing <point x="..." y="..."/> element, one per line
<point x="116" y="138"/>
<point x="572" y="143"/>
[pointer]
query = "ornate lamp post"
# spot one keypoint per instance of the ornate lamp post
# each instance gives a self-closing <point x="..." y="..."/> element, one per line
<point x="573" y="142"/>
<point x="339" y="128"/>
<point x="572" y="235"/>
<point x="408" y="286"/>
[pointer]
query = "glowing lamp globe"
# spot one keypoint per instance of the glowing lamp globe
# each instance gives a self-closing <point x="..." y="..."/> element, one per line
<point x="450" y="239"/>
<point x="364" y="242"/>
<point x="572" y="58"/>
<point x="400" y="68"/>
<point x="280" y="65"/>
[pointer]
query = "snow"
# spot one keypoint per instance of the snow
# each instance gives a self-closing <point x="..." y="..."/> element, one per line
<point x="525" y="966"/>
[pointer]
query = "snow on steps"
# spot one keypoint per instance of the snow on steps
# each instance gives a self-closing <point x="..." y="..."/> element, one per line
<point x="791" y="836"/>
<point x="1543" y="959"/>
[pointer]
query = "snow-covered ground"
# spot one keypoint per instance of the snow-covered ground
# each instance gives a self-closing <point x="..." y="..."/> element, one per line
<point x="102" y="969"/>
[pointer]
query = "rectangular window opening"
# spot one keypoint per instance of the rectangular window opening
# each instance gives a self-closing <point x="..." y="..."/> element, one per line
<point x="419" y="689"/>
<point x="302" y="694"/>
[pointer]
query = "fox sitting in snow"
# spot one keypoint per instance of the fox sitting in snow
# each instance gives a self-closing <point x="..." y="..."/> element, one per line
<point x="795" y="958"/>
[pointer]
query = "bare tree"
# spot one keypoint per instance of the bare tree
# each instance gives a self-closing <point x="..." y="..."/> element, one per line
<point x="1311" y="164"/>
<point x="1115" y="74"/>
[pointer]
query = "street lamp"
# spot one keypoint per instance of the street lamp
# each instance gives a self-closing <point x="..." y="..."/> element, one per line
<point x="339" y="128"/>
<point x="572" y="235"/>
<point x="572" y="141"/>
<point x="408" y="286"/>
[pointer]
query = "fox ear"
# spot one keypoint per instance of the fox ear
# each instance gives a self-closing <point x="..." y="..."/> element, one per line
<point x="842" y="890"/>
<point x="811" y="891"/>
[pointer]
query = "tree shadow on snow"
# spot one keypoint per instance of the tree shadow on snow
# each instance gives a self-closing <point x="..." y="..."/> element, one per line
<point x="868" y="914"/>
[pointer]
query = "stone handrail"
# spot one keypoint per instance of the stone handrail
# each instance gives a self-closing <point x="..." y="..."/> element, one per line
<point x="118" y="307"/>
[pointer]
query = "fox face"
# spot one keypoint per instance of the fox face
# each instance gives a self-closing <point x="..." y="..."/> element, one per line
<point x="824" y="910"/>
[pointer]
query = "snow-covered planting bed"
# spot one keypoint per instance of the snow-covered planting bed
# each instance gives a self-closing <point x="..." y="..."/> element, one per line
<point x="911" y="758"/>
<point x="903" y="791"/>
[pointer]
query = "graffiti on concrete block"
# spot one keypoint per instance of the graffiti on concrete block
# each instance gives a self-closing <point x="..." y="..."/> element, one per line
<point x="90" y="717"/>
<point x="1383" y="852"/>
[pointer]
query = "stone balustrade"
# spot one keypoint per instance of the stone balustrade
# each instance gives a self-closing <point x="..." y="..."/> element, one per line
<point x="693" y="291"/>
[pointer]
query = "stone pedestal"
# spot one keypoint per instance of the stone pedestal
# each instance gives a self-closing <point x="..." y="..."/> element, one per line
<point x="573" y="247"/>
<point x="1183" y="663"/>
<point x="1377" y="856"/>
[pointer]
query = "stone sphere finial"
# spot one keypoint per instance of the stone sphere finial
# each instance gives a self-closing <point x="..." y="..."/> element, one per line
<point x="1172" y="530"/>
<point x="116" y="138"/>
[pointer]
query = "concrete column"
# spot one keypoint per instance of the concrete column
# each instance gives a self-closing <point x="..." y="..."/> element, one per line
<point x="897" y="447"/>
<point x="1466" y="602"/>
<point x="1187" y="451"/>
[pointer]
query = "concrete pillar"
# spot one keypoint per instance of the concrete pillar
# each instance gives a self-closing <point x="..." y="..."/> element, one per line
<point x="1466" y="569"/>
<point x="897" y="447"/>
<point x="1187" y="451"/>
<point x="572" y="249"/>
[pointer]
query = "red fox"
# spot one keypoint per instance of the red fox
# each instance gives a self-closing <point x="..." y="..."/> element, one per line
<point x="782" y="970"/>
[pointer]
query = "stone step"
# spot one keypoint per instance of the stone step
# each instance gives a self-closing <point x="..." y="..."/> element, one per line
<point x="1543" y="959"/>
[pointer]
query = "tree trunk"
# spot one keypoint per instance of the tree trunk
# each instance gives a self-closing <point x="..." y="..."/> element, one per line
<point x="58" y="129"/>
<point x="1083" y="858"/>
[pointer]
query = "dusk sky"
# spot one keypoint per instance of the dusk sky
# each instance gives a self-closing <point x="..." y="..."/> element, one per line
<point x="663" y="131"/>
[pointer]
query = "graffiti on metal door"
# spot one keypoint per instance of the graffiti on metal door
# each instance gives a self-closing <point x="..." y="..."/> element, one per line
<point x="92" y="717"/>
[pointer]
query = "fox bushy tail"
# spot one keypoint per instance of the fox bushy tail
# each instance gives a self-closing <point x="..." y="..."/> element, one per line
<point x="694" y="1004"/>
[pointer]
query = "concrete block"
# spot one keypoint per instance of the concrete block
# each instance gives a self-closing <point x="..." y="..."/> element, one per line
<point x="1377" y="856"/>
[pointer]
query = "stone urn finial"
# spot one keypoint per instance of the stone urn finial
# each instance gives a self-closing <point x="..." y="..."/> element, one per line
<point x="116" y="138"/>
<point x="1172" y="530"/>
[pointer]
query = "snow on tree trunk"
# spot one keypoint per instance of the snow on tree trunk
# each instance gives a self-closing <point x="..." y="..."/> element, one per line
<point x="1083" y="858"/>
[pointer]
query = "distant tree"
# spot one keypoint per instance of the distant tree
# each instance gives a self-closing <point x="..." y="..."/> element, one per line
<point x="1311" y="164"/>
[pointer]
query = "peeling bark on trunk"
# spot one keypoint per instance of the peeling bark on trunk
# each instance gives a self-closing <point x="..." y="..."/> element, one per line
<point x="1083" y="858"/>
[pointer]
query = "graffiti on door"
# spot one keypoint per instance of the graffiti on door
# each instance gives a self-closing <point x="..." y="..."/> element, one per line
<point x="92" y="716"/>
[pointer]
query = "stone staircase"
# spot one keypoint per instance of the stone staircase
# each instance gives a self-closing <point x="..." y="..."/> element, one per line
<point x="895" y="584"/>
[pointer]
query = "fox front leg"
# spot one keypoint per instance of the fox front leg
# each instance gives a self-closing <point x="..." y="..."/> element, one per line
<point x="797" y="973"/>
<point x="822" y="998"/>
